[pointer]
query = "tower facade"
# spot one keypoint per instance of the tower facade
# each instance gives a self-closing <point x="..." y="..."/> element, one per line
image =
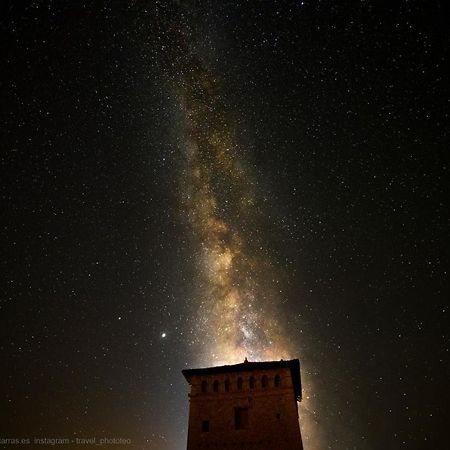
<point x="252" y="405"/>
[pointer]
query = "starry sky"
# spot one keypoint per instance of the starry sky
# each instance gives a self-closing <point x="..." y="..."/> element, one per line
<point x="189" y="183"/>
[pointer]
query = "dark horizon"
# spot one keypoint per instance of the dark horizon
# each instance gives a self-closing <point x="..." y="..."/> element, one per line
<point x="189" y="183"/>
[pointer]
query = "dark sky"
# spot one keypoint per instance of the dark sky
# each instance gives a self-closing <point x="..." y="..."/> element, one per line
<point x="186" y="183"/>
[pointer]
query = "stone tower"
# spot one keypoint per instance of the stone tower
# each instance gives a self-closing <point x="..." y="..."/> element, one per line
<point x="252" y="405"/>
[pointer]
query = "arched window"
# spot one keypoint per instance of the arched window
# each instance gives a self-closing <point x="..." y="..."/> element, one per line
<point x="264" y="381"/>
<point x="239" y="384"/>
<point x="277" y="381"/>
<point x="251" y="382"/>
<point x="227" y="385"/>
<point x="216" y="386"/>
<point x="204" y="386"/>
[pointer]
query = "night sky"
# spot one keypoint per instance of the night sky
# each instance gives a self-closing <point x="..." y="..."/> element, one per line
<point x="189" y="183"/>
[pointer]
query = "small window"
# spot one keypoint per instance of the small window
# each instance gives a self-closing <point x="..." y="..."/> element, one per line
<point x="216" y="386"/>
<point x="241" y="418"/>
<point x="227" y="385"/>
<point x="252" y="382"/>
<point x="277" y="380"/>
<point x="239" y="384"/>
<point x="264" y="381"/>
<point x="204" y="386"/>
<point x="278" y="416"/>
<point x="205" y="426"/>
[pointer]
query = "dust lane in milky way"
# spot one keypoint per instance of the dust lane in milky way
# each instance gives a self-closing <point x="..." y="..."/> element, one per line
<point x="237" y="297"/>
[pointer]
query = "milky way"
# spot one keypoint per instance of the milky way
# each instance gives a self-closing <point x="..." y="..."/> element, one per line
<point x="237" y="291"/>
<point x="236" y="297"/>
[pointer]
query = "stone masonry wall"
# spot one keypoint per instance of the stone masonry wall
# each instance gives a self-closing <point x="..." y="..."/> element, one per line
<point x="272" y="414"/>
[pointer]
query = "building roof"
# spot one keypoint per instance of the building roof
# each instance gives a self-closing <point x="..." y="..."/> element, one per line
<point x="246" y="366"/>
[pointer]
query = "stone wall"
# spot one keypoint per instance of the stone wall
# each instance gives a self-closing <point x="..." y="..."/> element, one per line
<point x="259" y="417"/>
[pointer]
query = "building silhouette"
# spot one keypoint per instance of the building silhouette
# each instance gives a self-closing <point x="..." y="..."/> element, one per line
<point x="252" y="405"/>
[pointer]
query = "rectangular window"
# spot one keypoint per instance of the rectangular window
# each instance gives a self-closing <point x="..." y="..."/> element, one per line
<point x="205" y="426"/>
<point x="241" y="418"/>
